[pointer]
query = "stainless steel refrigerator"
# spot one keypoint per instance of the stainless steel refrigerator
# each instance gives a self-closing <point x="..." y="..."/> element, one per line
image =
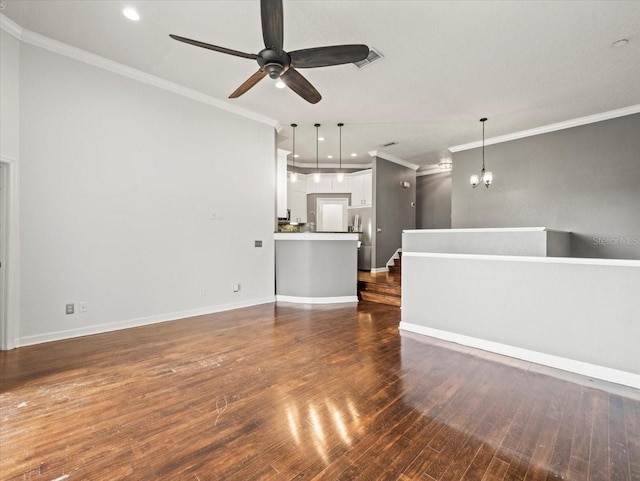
<point x="361" y="221"/>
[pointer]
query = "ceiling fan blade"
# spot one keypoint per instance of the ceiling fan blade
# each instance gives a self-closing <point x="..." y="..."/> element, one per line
<point x="272" y="23"/>
<point x="250" y="82"/>
<point x="228" y="51"/>
<point x="326" y="56"/>
<point x="301" y="86"/>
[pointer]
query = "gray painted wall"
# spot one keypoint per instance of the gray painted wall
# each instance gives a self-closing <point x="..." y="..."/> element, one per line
<point x="433" y="201"/>
<point x="540" y="243"/>
<point x="392" y="209"/>
<point x="316" y="268"/>
<point x="585" y="180"/>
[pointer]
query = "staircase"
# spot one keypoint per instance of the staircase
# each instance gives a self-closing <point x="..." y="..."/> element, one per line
<point x="382" y="287"/>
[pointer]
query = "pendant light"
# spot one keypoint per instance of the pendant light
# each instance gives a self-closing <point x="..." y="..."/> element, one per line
<point x="294" y="174"/>
<point x="316" y="176"/>
<point x="486" y="177"/>
<point x="340" y="175"/>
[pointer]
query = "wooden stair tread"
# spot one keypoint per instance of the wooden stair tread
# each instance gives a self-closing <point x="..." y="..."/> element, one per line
<point x="380" y="298"/>
<point x="381" y="287"/>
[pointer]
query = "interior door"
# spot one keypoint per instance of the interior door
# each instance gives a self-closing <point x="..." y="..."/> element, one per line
<point x="332" y="214"/>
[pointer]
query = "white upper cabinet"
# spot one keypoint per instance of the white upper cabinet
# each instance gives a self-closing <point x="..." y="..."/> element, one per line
<point x="329" y="184"/>
<point x="322" y="187"/>
<point x="362" y="189"/>
<point x="300" y="185"/>
<point x="343" y="187"/>
<point x="298" y="206"/>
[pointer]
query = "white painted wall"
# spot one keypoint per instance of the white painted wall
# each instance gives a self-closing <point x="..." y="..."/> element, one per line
<point x="119" y="184"/>
<point x="9" y="154"/>
<point x="9" y="95"/>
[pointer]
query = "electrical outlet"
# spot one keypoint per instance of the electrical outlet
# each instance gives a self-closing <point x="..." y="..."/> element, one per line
<point x="70" y="308"/>
<point x="82" y="307"/>
<point x="203" y="292"/>
<point x="236" y="287"/>
<point x="257" y="243"/>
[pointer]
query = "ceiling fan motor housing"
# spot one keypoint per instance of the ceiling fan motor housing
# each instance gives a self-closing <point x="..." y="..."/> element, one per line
<point x="276" y="63"/>
<point x="273" y="62"/>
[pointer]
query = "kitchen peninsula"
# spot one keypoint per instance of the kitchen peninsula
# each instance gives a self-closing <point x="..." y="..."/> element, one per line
<point x="316" y="267"/>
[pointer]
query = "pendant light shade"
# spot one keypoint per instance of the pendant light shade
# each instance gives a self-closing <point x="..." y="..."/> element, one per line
<point x="340" y="175"/>
<point x="486" y="176"/>
<point x="294" y="174"/>
<point x="316" y="176"/>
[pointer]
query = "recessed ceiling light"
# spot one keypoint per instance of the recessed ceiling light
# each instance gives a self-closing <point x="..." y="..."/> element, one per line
<point x="354" y="155"/>
<point x="131" y="14"/>
<point x="320" y="139"/>
<point x="280" y="84"/>
<point x="329" y="156"/>
<point x="620" y="43"/>
<point x="296" y="156"/>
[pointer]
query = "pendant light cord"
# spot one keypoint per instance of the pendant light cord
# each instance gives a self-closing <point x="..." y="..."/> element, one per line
<point x="483" y="120"/>
<point x="340" y="125"/>
<point x="317" y="126"/>
<point x="293" y="126"/>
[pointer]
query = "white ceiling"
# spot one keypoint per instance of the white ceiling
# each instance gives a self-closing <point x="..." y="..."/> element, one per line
<point x="446" y="64"/>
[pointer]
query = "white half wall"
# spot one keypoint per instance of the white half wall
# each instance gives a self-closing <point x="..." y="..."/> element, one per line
<point x="141" y="203"/>
<point x="574" y="314"/>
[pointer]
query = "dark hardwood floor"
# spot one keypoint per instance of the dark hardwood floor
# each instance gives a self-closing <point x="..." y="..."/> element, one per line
<point x="289" y="392"/>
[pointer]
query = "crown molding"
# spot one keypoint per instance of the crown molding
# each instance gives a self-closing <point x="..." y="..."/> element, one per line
<point x="393" y="158"/>
<point x="432" y="170"/>
<point x="75" y="53"/>
<point x="10" y="27"/>
<point x="327" y="165"/>
<point x="545" y="129"/>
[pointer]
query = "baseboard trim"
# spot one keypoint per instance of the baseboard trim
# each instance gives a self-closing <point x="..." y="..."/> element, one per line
<point x="142" y="321"/>
<point x="392" y="260"/>
<point x="316" y="300"/>
<point x="586" y="369"/>
<point x="376" y="270"/>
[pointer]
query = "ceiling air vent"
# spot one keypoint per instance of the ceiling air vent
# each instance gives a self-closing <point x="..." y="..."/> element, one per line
<point x="373" y="56"/>
<point x="389" y="144"/>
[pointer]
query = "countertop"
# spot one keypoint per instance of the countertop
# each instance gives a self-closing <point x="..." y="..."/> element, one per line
<point x="309" y="236"/>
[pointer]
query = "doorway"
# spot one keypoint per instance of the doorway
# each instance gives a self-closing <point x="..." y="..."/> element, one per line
<point x="332" y="214"/>
<point x="3" y="254"/>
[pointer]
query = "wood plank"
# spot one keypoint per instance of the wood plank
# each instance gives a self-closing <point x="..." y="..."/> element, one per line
<point x="300" y="392"/>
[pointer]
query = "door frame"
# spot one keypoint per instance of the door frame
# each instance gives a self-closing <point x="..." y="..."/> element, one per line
<point x="10" y="311"/>
<point x="342" y="201"/>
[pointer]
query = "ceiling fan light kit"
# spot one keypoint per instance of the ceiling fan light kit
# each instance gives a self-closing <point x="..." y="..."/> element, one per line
<point x="486" y="176"/>
<point x="278" y="64"/>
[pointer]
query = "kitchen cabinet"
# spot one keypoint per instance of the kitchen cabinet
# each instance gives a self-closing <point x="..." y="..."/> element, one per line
<point x="343" y="187"/>
<point x="329" y="184"/>
<point x="298" y="206"/>
<point x="362" y="189"/>
<point x="300" y="185"/>
<point x="323" y="187"/>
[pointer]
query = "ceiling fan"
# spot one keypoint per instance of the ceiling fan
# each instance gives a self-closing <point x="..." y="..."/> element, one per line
<point x="277" y="63"/>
